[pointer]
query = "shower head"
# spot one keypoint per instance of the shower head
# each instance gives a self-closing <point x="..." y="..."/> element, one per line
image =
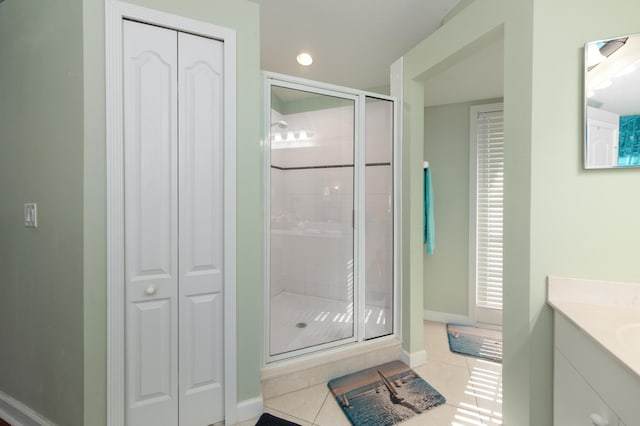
<point x="280" y="124"/>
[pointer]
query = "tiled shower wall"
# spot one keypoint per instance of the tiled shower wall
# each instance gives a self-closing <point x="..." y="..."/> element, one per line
<point x="312" y="204"/>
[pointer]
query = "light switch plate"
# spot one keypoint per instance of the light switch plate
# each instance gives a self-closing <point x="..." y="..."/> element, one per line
<point x="31" y="215"/>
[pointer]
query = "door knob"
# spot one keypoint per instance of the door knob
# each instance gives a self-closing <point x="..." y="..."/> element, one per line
<point x="150" y="291"/>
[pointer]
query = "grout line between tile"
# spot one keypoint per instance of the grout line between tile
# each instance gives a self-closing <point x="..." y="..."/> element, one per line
<point x="289" y="393"/>
<point x="321" y="407"/>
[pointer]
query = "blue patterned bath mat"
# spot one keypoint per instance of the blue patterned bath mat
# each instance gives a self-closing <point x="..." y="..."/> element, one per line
<point x="384" y="395"/>
<point x="475" y="341"/>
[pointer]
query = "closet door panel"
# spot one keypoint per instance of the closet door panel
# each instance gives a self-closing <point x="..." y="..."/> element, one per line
<point x="151" y="219"/>
<point x="201" y="229"/>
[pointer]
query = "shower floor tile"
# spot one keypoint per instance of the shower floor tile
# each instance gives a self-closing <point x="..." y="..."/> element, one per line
<point x="300" y="321"/>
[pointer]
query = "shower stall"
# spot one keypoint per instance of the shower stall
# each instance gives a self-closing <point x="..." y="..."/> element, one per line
<point x="330" y="228"/>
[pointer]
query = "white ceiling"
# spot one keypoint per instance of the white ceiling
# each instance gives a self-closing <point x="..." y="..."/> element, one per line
<point x="354" y="42"/>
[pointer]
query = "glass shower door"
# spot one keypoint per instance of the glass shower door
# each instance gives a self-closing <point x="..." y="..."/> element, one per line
<point x="378" y="228"/>
<point x="311" y="235"/>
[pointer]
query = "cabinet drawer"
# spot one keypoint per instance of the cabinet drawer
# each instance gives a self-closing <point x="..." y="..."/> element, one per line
<point x="574" y="401"/>
<point x="611" y="380"/>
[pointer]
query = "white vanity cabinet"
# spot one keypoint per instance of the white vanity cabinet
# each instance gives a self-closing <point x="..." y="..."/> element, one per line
<point x="575" y="401"/>
<point x="591" y="387"/>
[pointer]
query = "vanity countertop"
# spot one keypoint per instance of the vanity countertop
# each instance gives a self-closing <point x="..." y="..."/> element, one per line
<point x="608" y="312"/>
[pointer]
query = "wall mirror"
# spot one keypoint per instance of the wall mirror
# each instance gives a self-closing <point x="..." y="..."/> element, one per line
<point x="612" y="102"/>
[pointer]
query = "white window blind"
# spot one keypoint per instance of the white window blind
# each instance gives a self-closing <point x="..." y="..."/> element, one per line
<point x="489" y="208"/>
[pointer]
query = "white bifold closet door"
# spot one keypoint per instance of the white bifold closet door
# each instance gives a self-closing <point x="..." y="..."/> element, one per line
<point x="173" y="139"/>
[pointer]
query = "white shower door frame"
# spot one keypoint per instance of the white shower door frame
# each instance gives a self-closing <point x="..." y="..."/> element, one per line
<point x="359" y="97"/>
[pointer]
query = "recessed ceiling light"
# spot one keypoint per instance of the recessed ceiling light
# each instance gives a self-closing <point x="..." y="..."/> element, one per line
<point x="304" y="59"/>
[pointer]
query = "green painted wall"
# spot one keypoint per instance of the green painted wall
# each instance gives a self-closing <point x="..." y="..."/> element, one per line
<point x="277" y="103"/>
<point x="243" y="16"/>
<point x="314" y="102"/>
<point x="459" y="36"/>
<point x="383" y="90"/>
<point x="95" y="248"/>
<point x="588" y="214"/>
<point x="559" y="218"/>
<point x="478" y="24"/>
<point x="52" y="129"/>
<point x="523" y="403"/>
<point x="411" y="211"/>
<point x="582" y="222"/>
<point x="41" y="270"/>
<point x="446" y="147"/>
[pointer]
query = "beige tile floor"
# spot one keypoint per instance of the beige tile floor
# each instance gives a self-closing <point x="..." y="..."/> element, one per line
<point x="472" y="387"/>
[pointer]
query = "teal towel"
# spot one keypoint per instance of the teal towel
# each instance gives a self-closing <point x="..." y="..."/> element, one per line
<point x="429" y="225"/>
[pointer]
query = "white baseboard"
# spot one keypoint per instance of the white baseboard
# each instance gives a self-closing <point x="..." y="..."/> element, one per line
<point x="249" y="409"/>
<point x="447" y="318"/>
<point x="414" y="359"/>
<point x="18" y="414"/>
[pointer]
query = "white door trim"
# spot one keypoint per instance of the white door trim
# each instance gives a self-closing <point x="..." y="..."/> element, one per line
<point x="115" y="12"/>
